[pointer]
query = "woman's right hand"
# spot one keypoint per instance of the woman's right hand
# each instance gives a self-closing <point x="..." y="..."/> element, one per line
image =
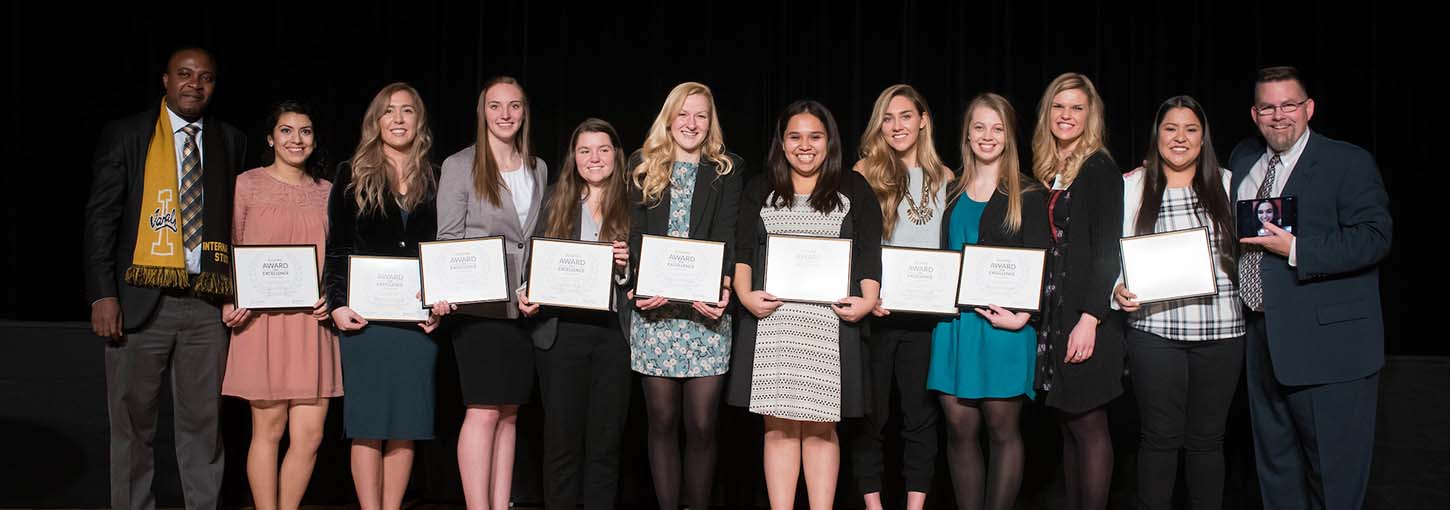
<point x="1004" y="319"/>
<point x="525" y="307"/>
<point x="348" y="320"/>
<point x="1082" y="339"/>
<point x="441" y="308"/>
<point x="319" y="309"/>
<point x="1126" y="300"/>
<point x="234" y="316"/>
<point x="760" y="303"/>
<point x="649" y="303"/>
<point x="621" y="255"/>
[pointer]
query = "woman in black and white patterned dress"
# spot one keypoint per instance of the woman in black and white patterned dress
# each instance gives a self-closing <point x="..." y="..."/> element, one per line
<point x="802" y="365"/>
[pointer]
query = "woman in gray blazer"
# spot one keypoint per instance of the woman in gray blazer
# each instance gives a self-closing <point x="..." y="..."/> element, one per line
<point x="493" y="188"/>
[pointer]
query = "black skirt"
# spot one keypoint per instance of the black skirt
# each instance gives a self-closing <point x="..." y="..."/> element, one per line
<point x="495" y="360"/>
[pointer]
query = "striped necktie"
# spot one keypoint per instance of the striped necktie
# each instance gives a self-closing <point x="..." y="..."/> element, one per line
<point x="1251" y="281"/>
<point x="191" y="197"/>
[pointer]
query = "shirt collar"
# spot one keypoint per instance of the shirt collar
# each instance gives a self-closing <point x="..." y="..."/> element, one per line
<point x="177" y="122"/>
<point x="1291" y="155"/>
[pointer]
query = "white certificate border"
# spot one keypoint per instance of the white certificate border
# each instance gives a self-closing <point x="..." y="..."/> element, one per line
<point x="235" y="276"/>
<point x="350" y="258"/>
<point x="423" y="282"/>
<point x="534" y="242"/>
<point x="956" y="288"/>
<point x="850" y="264"/>
<point x="720" y="271"/>
<point x="1040" y="274"/>
<point x="1208" y="245"/>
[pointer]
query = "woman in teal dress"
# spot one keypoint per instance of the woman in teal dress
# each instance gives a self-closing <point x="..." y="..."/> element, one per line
<point x="983" y="360"/>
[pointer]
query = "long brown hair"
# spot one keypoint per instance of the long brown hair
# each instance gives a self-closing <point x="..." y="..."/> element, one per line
<point x="372" y="179"/>
<point x="1045" y="161"/>
<point x="571" y="190"/>
<point x="1207" y="185"/>
<point x="881" y="165"/>
<point x="825" y="198"/>
<point x="1009" y="177"/>
<point x="486" y="178"/>
<point x="653" y="172"/>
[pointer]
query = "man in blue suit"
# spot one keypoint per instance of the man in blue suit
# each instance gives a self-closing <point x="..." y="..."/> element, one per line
<point x="1315" y="334"/>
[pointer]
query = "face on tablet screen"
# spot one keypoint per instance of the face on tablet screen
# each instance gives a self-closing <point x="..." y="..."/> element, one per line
<point x="1253" y="214"/>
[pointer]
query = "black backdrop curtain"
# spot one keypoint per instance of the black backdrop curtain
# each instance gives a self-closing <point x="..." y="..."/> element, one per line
<point x="71" y="68"/>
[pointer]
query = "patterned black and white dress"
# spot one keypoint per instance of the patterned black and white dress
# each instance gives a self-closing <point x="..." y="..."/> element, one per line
<point x="796" y="373"/>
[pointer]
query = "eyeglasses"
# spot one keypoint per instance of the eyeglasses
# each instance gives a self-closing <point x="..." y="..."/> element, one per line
<point x="1267" y="110"/>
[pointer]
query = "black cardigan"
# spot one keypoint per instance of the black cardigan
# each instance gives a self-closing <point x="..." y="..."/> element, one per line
<point x="1033" y="233"/>
<point x="1096" y="212"/>
<point x="374" y="234"/>
<point x="863" y="225"/>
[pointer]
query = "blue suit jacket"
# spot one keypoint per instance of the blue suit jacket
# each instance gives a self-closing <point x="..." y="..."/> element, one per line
<point x="1323" y="316"/>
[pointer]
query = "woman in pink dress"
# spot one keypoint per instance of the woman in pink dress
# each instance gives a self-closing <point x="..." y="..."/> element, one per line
<point x="285" y="364"/>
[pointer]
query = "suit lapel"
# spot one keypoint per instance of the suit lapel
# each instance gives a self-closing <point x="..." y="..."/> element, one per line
<point x="509" y="209"/>
<point x="659" y="215"/>
<point x="577" y="233"/>
<point x="393" y="216"/>
<point x="214" y="153"/>
<point x="537" y="196"/>
<point x="145" y="129"/>
<point x="216" y="176"/>
<point x="1301" y="175"/>
<point x="702" y="204"/>
<point x="1241" y="168"/>
<point x="1238" y="178"/>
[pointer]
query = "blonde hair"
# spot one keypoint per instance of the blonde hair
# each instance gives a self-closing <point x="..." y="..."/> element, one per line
<point x="1009" y="177"/>
<point x="882" y="167"/>
<point x="1045" y="160"/>
<point x="652" y="174"/>
<point x="372" y="179"/>
<point x="486" y="178"/>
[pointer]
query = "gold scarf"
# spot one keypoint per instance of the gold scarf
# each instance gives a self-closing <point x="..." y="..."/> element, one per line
<point x="159" y="259"/>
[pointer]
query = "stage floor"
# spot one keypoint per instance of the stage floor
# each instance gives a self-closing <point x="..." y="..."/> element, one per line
<point x="52" y="408"/>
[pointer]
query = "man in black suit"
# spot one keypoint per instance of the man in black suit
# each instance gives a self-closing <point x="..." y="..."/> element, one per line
<point x="1315" y="334"/>
<point x="157" y="319"/>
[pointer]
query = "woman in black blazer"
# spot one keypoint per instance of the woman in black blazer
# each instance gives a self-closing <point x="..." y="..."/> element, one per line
<point x="382" y="203"/>
<point x="684" y="184"/>
<point x="581" y="355"/>
<point x="1080" y="350"/>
